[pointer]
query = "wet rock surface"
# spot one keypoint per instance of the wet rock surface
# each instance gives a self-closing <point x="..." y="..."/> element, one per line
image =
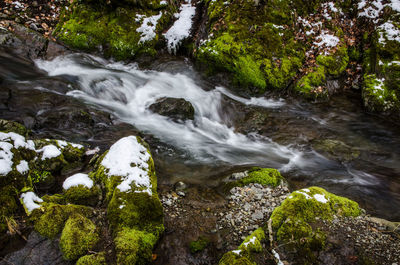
<point x="175" y="108"/>
<point x="38" y="250"/>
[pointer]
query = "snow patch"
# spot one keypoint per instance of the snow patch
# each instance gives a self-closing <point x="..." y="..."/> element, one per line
<point x="237" y="252"/>
<point x="388" y="31"/>
<point x="64" y="144"/>
<point x="23" y="167"/>
<point x="148" y="27"/>
<point x="278" y="259"/>
<point x="320" y="198"/>
<point x="181" y="28"/>
<point x="29" y="198"/>
<point x="76" y="180"/>
<point x="251" y="241"/>
<point x="129" y="159"/>
<point x="327" y="40"/>
<point x="6" y="157"/>
<point x="50" y="151"/>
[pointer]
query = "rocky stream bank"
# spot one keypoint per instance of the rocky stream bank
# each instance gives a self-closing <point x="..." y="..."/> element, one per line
<point x="68" y="203"/>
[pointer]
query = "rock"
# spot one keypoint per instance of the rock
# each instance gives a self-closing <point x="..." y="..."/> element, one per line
<point x="24" y="41"/>
<point x="175" y="108"/>
<point x="38" y="250"/>
<point x="180" y="186"/>
<point x="257" y="215"/>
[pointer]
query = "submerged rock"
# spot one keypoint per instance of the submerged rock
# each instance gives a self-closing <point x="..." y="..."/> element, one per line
<point x="175" y="108"/>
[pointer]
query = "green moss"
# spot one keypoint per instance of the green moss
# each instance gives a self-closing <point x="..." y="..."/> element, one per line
<point x="377" y="96"/>
<point x="293" y="219"/>
<point x="82" y="195"/>
<point x="12" y="126"/>
<point x="136" y="210"/>
<point x="78" y="237"/>
<point x="252" y="43"/>
<point x="94" y="259"/>
<point x="264" y="176"/>
<point x="309" y="84"/>
<point x="198" y="245"/>
<point x="134" y="246"/>
<point x="279" y="75"/>
<point x="253" y="243"/>
<point x="111" y="29"/>
<point x="335" y="64"/>
<point x="49" y="220"/>
<point x="8" y="206"/>
<point x="231" y="258"/>
<point x="55" y="198"/>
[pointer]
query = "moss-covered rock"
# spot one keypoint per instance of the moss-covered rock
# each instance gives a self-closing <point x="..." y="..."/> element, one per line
<point x="78" y="237"/>
<point x="337" y="149"/>
<point x="115" y="30"/>
<point x="136" y="210"/>
<point x="264" y="176"/>
<point x="134" y="246"/>
<point x="94" y="259"/>
<point x="293" y="220"/>
<point x="82" y="195"/>
<point x="49" y="220"/>
<point x="12" y="126"/>
<point x="245" y="252"/>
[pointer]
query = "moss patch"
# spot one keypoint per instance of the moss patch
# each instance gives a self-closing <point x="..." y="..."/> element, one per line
<point x="94" y="259"/>
<point x="82" y="195"/>
<point x="198" y="245"/>
<point x="49" y="220"/>
<point x="264" y="176"/>
<point x="111" y="29"/>
<point x="78" y="237"/>
<point x="134" y="246"/>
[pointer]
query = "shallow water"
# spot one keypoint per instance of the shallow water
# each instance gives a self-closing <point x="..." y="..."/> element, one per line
<point x="220" y="138"/>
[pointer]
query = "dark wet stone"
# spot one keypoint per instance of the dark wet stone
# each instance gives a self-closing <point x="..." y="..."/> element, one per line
<point x="38" y="250"/>
<point x="175" y="108"/>
<point x="54" y="50"/>
<point x="23" y="41"/>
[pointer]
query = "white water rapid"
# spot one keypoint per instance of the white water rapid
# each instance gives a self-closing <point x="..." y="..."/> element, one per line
<point x="127" y="92"/>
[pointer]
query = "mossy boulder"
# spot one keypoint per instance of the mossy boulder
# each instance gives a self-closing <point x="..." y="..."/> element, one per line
<point x="134" y="210"/>
<point x="94" y="259"/>
<point x="119" y="30"/>
<point x="264" y="176"/>
<point x="78" y="237"/>
<point x="293" y="220"/>
<point x="49" y="220"/>
<point x="134" y="246"/>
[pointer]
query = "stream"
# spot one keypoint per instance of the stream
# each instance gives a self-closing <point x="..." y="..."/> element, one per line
<point x="84" y="98"/>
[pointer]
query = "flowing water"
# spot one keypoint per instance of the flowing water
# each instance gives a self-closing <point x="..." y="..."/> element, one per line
<point x="222" y="135"/>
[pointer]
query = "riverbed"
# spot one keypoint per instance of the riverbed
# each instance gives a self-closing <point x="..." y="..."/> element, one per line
<point x="88" y="99"/>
